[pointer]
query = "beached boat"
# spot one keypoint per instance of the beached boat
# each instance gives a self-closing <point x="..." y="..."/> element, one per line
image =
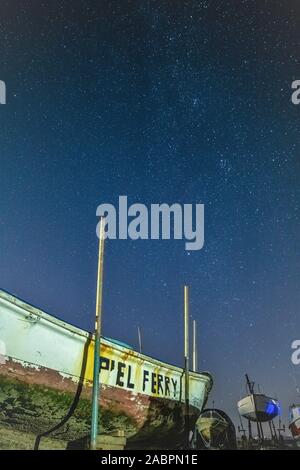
<point x="46" y="373"/>
<point x="294" y="424"/>
<point x="258" y="407"/>
<point x="215" y="430"/>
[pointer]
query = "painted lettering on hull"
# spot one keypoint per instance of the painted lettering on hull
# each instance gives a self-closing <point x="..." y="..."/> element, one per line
<point x="139" y="379"/>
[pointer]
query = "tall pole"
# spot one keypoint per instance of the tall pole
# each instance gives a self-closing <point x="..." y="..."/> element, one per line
<point x="140" y="339"/>
<point x="98" y="324"/>
<point x="195" y="358"/>
<point x="251" y="391"/>
<point x="186" y="360"/>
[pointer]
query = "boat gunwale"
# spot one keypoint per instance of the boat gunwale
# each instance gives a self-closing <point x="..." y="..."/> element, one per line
<point x="258" y="395"/>
<point x="20" y="303"/>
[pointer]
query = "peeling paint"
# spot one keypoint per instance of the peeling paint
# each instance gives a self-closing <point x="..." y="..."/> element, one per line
<point x="2" y="352"/>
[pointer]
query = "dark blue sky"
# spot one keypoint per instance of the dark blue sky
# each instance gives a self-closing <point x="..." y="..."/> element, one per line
<point x="182" y="101"/>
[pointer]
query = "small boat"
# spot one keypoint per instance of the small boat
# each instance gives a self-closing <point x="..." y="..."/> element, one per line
<point x="215" y="430"/>
<point x="46" y="374"/>
<point x="258" y="407"/>
<point x="294" y="425"/>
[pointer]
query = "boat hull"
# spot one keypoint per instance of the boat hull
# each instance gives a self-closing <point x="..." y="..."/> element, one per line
<point x="294" y="425"/>
<point x="215" y="430"/>
<point x="258" y="407"/>
<point x="295" y="428"/>
<point x="40" y="401"/>
<point x="46" y="372"/>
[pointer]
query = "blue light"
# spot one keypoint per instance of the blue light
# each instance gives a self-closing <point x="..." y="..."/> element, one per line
<point x="272" y="408"/>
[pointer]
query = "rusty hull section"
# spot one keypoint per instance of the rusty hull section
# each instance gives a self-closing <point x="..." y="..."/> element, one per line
<point x="42" y="402"/>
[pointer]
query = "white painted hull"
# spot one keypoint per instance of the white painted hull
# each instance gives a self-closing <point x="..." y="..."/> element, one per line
<point x="258" y="407"/>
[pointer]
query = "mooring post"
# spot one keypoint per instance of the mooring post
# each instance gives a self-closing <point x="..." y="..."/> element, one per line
<point x="98" y="324"/>
<point x="186" y="362"/>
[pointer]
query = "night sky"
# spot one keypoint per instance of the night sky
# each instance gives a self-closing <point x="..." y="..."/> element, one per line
<point x="162" y="101"/>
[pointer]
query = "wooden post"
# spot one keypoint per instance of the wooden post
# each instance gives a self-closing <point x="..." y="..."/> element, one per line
<point x="98" y="325"/>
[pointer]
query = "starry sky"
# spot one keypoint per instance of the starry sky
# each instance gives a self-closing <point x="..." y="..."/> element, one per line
<point x="163" y="101"/>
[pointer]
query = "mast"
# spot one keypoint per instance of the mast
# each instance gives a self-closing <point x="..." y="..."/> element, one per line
<point x="250" y="388"/>
<point x="98" y="325"/>
<point x="260" y="432"/>
<point x="249" y="384"/>
<point x="195" y="355"/>
<point x="186" y="360"/>
<point x="140" y="339"/>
